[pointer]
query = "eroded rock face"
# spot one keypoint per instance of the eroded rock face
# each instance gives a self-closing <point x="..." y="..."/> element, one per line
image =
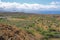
<point x="8" y="32"/>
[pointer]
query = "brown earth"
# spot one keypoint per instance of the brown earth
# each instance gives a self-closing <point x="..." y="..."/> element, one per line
<point x="8" y="32"/>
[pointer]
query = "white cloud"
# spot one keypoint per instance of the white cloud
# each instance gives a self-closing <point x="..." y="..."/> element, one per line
<point x="55" y="3"/>
<point x="18" y="6"/>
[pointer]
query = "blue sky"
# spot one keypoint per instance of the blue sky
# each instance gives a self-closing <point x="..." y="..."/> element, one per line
<point x="31" y="1"/>
<point x="30" y="5"/>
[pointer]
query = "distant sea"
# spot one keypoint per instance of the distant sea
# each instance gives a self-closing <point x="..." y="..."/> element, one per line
<point x="43" y="12"/>
<point x="49" y="12"/>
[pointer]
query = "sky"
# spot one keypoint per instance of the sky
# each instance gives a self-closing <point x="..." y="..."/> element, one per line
<point x="29" y="5"/>
<point x="32" y="1"/>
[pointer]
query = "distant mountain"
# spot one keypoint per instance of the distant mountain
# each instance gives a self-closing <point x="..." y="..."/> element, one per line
<point x="30" y="11"/>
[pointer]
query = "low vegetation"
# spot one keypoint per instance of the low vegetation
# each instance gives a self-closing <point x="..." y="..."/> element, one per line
<point x="38" y="26"/>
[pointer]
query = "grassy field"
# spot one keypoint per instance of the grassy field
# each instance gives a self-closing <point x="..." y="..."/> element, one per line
<point x="42" y="26"/>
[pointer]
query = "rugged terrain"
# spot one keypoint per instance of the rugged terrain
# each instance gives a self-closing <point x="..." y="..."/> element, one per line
<point x="8" y="32"/>
<point x="23" y="26"/>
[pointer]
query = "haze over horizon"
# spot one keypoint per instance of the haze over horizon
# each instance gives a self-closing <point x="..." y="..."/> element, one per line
<point x="30" y="6"/>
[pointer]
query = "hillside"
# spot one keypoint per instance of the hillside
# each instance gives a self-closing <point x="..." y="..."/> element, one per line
<point x="8" y="32"/>
<point x="30" y="26"/>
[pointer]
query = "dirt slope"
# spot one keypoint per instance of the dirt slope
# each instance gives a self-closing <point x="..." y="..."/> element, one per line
<point x="8" y="32"/>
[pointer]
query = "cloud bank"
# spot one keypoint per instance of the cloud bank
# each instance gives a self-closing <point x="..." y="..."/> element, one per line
<point x="8" y="6"/>
<point x="55" y="3"/>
